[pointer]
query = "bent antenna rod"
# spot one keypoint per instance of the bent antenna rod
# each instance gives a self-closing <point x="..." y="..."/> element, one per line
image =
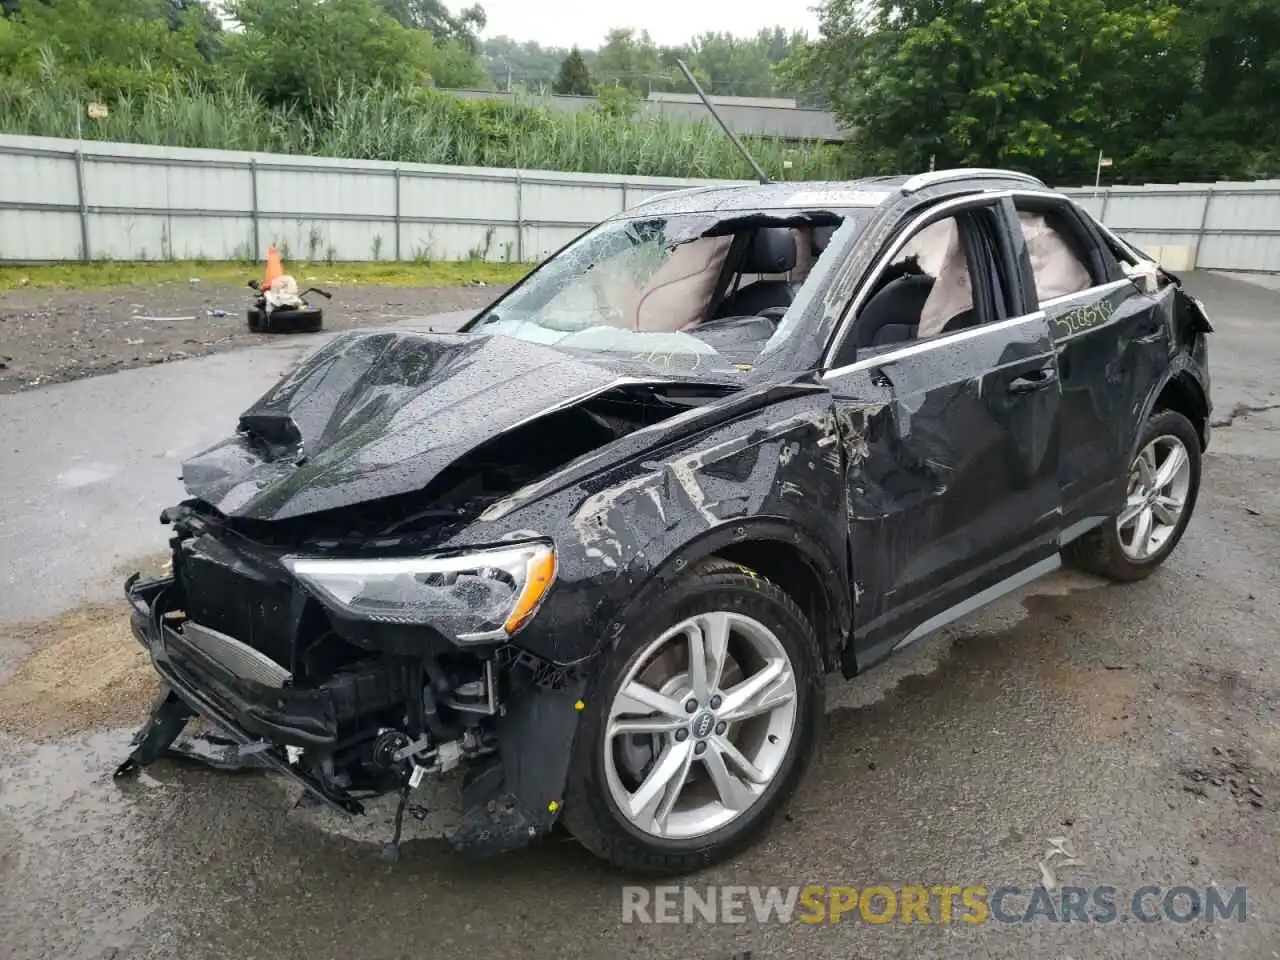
<point x="760" y="174"/>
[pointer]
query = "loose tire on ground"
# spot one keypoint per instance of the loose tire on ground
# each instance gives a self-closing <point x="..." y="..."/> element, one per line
<point x="308" y="320"/>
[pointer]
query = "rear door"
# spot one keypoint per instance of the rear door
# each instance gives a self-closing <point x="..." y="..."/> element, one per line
<point x="1113" y="343"/>
<point x="951" y="443"/>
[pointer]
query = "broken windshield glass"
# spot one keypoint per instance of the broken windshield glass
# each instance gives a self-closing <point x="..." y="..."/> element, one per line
<point x="654" y="285"/>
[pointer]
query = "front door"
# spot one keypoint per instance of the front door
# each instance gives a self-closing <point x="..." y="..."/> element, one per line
<point x="951" y="444"/>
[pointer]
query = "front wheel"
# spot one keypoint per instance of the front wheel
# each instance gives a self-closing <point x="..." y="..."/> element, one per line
<point x="705" y="719"/>
<point x="1163" y="483"/>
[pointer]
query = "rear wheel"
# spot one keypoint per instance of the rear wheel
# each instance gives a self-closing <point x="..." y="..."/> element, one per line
<point x="1163" y="483"/>
<point x="704" y="722"/>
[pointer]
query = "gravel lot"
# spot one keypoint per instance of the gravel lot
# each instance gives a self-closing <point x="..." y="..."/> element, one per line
<point x="52" y="337"/>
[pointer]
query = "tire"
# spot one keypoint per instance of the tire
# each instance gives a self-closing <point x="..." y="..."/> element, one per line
<point x="303" y="320"/>
<point x="762" y="617"/>
<point x="1104" y="551"/>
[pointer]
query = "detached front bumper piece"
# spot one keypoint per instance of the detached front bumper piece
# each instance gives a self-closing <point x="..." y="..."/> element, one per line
<point x="258" y="722"/>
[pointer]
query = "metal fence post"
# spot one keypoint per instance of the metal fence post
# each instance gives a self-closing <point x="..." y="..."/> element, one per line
<point x="257" y="239"/>
<point x="519" y="217"/>
<point x="84" y="206"/>
<point x="1106" y="200"/>
<point x="624" y="194"/>
<point x="398" y="215"/>
<point x="1204" y="223"/>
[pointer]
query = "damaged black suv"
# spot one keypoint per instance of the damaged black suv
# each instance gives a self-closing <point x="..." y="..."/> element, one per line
<point x="597" y="551"/>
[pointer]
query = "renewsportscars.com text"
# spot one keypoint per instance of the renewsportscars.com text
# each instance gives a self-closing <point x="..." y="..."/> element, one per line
<point x="971" y="904"/>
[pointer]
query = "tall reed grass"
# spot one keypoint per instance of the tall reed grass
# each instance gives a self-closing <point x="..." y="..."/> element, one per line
<point x="411" y="126"/>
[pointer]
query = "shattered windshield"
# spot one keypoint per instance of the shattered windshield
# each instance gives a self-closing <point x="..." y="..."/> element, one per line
<point x="688" y="287"/>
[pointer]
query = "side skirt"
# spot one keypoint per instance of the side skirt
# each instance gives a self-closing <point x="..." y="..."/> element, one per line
<point x="979" y="600"/>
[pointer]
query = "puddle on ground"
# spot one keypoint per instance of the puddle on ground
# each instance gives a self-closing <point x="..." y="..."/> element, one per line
<point x="923" y="658"/>
<point x="71" y="861"/>
<point x="85" y="475"/>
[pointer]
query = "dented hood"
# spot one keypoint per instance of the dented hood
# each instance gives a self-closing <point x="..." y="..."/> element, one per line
<point x="376" y="414"/>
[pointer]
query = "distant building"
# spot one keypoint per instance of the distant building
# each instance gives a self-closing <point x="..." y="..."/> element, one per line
<point x="780" y="103"/>
<point x="776" y="117"/>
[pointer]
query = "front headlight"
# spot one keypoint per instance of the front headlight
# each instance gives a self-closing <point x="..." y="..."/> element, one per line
<point x="480" y="596"/>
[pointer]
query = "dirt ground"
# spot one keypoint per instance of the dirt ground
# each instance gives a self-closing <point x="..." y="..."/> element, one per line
<point x="85" y="670"/>
<point x="55" y="336"/>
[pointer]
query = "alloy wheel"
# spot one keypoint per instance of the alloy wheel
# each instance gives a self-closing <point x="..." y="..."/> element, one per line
<point x="1159" y="482"/>
<point x="700" y="726"/>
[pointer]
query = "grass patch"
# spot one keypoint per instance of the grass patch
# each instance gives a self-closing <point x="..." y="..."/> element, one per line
<point x="104" y="274"/>
<point x="415" y="126"/>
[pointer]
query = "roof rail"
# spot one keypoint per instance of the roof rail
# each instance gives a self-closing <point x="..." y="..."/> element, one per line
<point x="922" y="180"/>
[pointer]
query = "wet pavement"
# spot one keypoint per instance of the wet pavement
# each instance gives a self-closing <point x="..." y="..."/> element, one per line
<point x="86" y="467"/>
<point x="1137" y="726"/>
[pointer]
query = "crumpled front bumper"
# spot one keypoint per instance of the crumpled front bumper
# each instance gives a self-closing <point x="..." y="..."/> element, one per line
<point x="258" y="721"/>
<point x="302" y="718"/>
<point x="514" y="801"/>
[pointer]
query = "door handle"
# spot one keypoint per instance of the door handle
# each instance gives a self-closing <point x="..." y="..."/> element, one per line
<point x="1039" y="380"/>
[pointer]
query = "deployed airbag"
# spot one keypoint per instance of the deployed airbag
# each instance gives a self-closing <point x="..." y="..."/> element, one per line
<point x="1058" y="272"/>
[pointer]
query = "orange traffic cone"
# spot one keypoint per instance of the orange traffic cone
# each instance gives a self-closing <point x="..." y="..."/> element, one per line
<point x="274" y="268"/>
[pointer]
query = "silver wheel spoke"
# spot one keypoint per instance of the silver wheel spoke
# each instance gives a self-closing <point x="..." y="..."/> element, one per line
<point x="674" y="789"/>
<point x="771" y="687"/>
<point x="733" y="755"/>
<point x="646" y="725"/>
<point x="734" y="794"/>
<point x="638" y="699"/>
<point x="1142" y="533"/>
<point x="1167" y="510"/>
<point x="1132" y="508"/>
<point x="708" y="644"/>
<point x="1172" y="466"/>
<point x="1146" y="468"/>
<point x="651" y="804"/>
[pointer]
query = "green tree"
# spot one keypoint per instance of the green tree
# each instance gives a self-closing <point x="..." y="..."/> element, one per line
<point x="303" y="52"/>
<point x="1229" y="127"/>
<point x="734" y="67"/>
<point x="453" y="64"/>
<point x="1040" y="85"/>
<point x="105" y="48"/>
<point x="629" y="60"/>
<point x="434" y="17"/>
<point x="526" y="64"/>
<point x="198" y="17"/>
<point x="574" y="78"/>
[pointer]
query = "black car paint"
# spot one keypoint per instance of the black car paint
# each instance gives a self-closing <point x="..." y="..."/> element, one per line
<point x="373" y="415"/>
<point x="885" y="493"/>
<point x="956" y="484"/>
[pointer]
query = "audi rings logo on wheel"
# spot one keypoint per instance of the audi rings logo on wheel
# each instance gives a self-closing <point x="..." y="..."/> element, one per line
<point x="703" y="726"/>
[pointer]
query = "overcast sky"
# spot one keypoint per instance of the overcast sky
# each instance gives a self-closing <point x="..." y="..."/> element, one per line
<point x="566" y="23"/>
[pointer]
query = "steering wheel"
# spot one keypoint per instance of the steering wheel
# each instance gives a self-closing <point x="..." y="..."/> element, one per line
<point x="773" y="313"/>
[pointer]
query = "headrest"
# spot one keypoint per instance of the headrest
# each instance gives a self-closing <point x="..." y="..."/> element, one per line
<point x="819" y="238"/>
<point x="772" y="250"/>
